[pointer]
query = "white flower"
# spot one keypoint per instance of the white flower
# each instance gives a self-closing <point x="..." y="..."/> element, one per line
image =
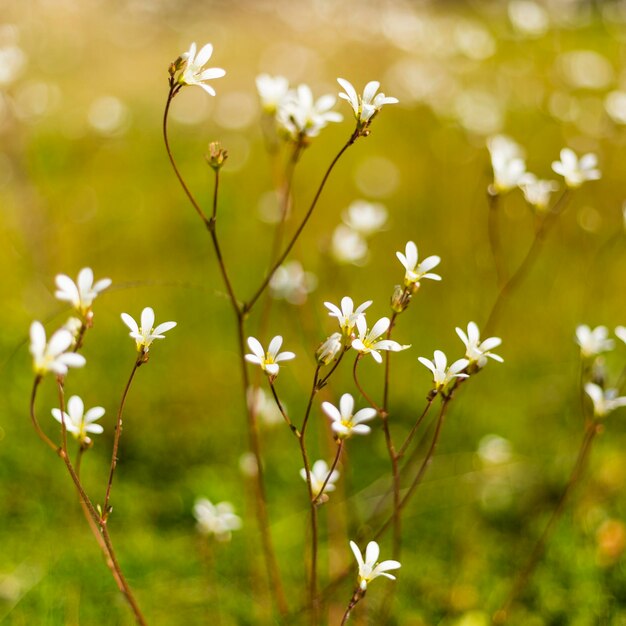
<point x="477" y="351"/>
<point x="346" y="315"/>
<point x="264" y="406"/>
<point x="77" y="422"/>
<point x="272" y="91"/>
<point x="329" y="349"/>
<point x="218" y="519"/>
<point x="344" y="423"/>
<point x="369" y="568"/>
<point x="507" y="161"/>
<point x="365" y="106"/>
<point x="537" y="192"/>
<point x="367" y="343"/>
<point x="414" y="272"/>
<point x="145" y="334"/>
<point x="319" y="473"/>
<point x="268" y="360"/>
<point x="364" y="217"/>
<point x="81" y="293"/>
<point x="620" y="333"/>
<point x="192" y="71"/>
<point x="52" y="356"/>
<point x="348" y="246"/>
<point x="301" y="116"/>
<point x="604" y="400"/>
<point x="593" y="342"/>
<point x="290" y="282"/>
<point x="576" y="171"/>
<point x="442" y="374"/>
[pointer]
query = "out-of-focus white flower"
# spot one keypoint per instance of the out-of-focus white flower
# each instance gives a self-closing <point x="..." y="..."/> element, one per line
<point x="218" y="519"/>
<point x="477" y="351"/>
<point x="536" y="191"/>
<point x="604" y="400"/>
<point x="264" y="406"/>
<point x="576" y="171"/>
<point x="367" y="342"/>
<point x="494" y="450"/>
<point x="330" y="349"/>
<point x="344" y="422"/>
<point x="52" y="356"/>
<point x="319" y="473"/>
<point x="73" y="325"/>
<point x="272" y="91"/>
<point x="268" y="360"/>
<point x="290" y="282"/>
<point x="300" y="116"/>
<point x="81" y="293"/>
<point x="615" y="105"/>
<point x="145" y="334"/>
<point x="507" y="161"/>
<point x="77" y="421"/>
<point x="593" y="342"/>
<point x="442" y="374"/>
<point x="193" y="72"/>
<point x="365" y="106"/>
<point x="346" y="315"/>
<point x="369" y="568"/>
<point x="365" y="217"/>
<point x="620" y="333"/>
<point x="348" y="246"/>
<point x="414" y="271"/>
<point x="248" y="465"/>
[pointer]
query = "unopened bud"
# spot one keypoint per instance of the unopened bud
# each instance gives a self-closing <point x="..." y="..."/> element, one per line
<point x="217" y="155"/>
<point x="400" y="299"/>
<point x="329" y="349"/>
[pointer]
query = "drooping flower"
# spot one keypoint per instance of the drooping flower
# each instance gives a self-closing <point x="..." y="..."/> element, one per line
<point x="507" y="161"/>
<point x="576" y="171"/>
<point x="192" y="70"/>
<point x="477" y="351"/>
<point x="442" y="374"/>
<point x="272" y="91"/>
<point x="414" y="271"/>
<point x="344" y="422"/>
<point x="604" y="400"/>
<point x="78" y="422"/>
<point x="369" y="568"/>
<point x="367" y="342"/>
<point x="329" y="349"/>
<point x="537" y="192"/>
<point x="364" y="217"/>
<point x="52" y="356"/>
<point x="593" y="342"/>
<point x="218" y="519"/>
<point x="346" y="315"/>
<point x="319" y="473"/>
<point x="81" y="293"/>
<point x="145" y="334"/>
<point x="268" y="360"/>
<point x="367" y="105"/>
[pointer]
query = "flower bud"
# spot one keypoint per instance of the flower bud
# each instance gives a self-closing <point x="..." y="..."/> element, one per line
<point x="400" y="299"/>
<point x="217" y="155"/>
<point x="329" y="349"/>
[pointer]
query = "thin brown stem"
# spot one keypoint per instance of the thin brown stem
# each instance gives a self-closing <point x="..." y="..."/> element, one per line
<point x="340" y="444"/>
<point x="34" y="420"/>
<point x="291" y="425"/>
<point x="354" y="600"/>
<point x="420" y="419"/>
<point x="324" y="380"/>
<point x="369" y="400"/>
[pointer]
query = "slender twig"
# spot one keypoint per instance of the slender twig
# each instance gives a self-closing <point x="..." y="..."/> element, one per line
<point x="340" y="443"/>
<point x="322" y="383"/>
<point x="354" y="600"/>
<point x="420" y="419"/>
<point x="495" y="243"/>
<point x="291" y="425"/>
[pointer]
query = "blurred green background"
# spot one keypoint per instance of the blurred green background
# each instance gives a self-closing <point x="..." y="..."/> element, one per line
<point x="84" y="181"/>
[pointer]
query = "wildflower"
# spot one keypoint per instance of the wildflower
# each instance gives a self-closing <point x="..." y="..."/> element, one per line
<point x="367" y="343"/>
<point x="604" y="400"/>
<point x="329" y="349"/>
<point x="478" y="351"/>
<point x="218" y="519"/>
<point x="537" y="192"/>
<point x="414" y="272"/>
<point x="364" y="217"/>
<point x="344" y="423"/>
<point x="576" y="171"/>
<point x="365" y="106"/>
<point x="369" y="568"/>
<point x="77" y="421"/>
<point x="348" y="246"/>
<point x="51" y="356"/>
<point x="192" y="72"/>
<point x="81" y="293"/>
<point x="268" y="360"/>
<point x="319" y="472"/>
<point x="442" y="374"/>
<point x="507" y="161"/>
<point x="272" y="91"/>
<point x="593" y="342"/>
<point x="145" y="334"/>
<point x="620" y="332"/>
<point x="290" y="282"/>
<point x="346" y="315"/>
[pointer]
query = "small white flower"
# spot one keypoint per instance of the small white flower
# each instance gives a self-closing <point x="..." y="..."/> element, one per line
<point x="576" y="171"/>
<point x="218" y="519"/>
<point x="364" y="217"/>
<point x="620" y="333"/>
<point x="264" y="406"/>
<point x="272" y="91"/>
<point x="52" y="356"/>
<point x="192" y="71"/>
<point x="319" y="473"/>
<point x="507" y="161"/>
<point x="268" y="360"/>
<point x="478" y="351"/>
<point x="604" y="400"/>
<point x="414" y="271"/>
<point x="370" y="568"/>
<point x="536" y="191"/>
<point x="145" y="334"/>
<point x="442" y="374"/>
<point x="365" y="106"/>
<point x="348" y="246"/>
<point x="330" y="349"/>
<point x="593" y="342"/>
<point x="290" y="282"/>
<point x="77" y="421"/>
<point x="81" y="293"/>
<point x="344" y="423"/>
<point x="346" y="315"/>
<point x="366" y="342"/>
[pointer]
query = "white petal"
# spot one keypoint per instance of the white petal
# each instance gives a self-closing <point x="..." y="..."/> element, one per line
<point x="85" y="280"/>
<point x="357" y="554"/>
<point x="332" y="411"/>
<point x="204" y="55"/>
<point x="379" y="328"/>
<point x="164" y="327"/>
<point x="75" y="408"/>
<point x="59" y="342"/>
<point x="346" y="405"/>
<point x="284" y="356"/>
<point x="364" y="415"/>
<point x="130" y="322"/>
<point x="147" y="319"/>
<point x="372" y="553"/>
<point x="94" y="414"/>
<point x="37" y="338"/>
<point x="274" y="346"/>
<point x="256" y="347"/>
